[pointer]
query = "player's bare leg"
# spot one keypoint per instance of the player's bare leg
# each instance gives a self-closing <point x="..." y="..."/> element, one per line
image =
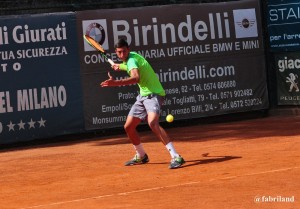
<point x="153" y="121"/>
<point x="130" y="128"/>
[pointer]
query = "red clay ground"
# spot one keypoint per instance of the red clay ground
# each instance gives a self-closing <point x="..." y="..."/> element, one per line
<point x="237" y="165"/>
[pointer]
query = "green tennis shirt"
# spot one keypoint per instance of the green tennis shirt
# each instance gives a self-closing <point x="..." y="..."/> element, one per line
<point x="149" y="82"/>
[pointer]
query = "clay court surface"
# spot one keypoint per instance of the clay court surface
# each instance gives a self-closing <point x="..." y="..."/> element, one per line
<point x="252" y="163"/>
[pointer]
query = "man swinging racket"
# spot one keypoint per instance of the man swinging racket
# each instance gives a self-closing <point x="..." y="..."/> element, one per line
<point x="147" y="105"/>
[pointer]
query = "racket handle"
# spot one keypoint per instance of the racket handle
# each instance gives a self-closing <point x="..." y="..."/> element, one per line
<point x="110" y="61"/>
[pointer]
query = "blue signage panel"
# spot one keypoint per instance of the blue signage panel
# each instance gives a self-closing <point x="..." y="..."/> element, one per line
<point x="284" y="25"/>
<point x="40" y="89"/>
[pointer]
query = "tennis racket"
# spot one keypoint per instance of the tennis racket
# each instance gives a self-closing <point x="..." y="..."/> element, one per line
<point x="98" y="47"/>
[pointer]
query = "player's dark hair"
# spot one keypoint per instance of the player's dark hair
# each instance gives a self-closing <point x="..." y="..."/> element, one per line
<point x="121" y="43"/>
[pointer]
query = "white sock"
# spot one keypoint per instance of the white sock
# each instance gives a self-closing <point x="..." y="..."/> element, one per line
<point x="139" y="150"/>
<point x="172" y="150"/>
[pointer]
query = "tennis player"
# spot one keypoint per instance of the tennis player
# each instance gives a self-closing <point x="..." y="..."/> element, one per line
<point x="148" y="102"/>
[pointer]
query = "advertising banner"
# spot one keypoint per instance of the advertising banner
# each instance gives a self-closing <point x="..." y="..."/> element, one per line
<point x="40" y="89"/>
<point x="209" y="58"/>
<point x="284" y="25"/>
<point x="287" y="67"/>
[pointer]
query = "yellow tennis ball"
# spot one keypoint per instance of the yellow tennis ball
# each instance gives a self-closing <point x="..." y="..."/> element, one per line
<point x="170" y="118"/>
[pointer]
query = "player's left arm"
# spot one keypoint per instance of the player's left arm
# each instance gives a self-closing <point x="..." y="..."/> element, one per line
<point x="119" y="67"/>
<point x="133" y="79"/>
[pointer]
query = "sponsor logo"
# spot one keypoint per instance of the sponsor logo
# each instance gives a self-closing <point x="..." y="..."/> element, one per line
<point x="97" y="30"/>
<point x="245" y="23"/>
<point x="213" y="27"/>
<point x="291" y="79"/>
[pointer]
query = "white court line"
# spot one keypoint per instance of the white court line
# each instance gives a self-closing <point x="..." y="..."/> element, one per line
<point x="162" y="187"/>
